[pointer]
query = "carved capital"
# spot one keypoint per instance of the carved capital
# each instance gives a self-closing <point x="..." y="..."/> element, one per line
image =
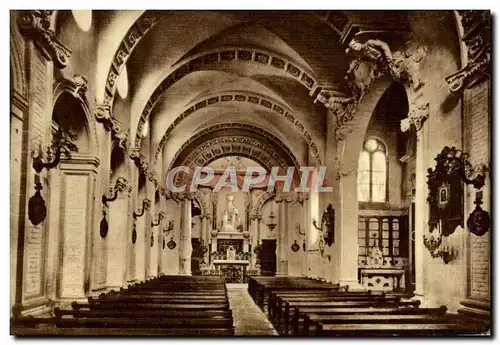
<point x="35" y="25"/>
<point x="477" y="37"/>
<point x="417" y="115"/>
<point x="103" y="115"/>
<point x="76" y="86"/>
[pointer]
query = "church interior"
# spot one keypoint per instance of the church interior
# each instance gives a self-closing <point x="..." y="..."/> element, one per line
<point x="391" y="108"/>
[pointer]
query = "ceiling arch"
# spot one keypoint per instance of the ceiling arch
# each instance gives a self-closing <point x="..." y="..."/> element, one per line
<point x="234" y="139"/>
<point x="207" y="60"/>
<point x="266" y="103"/>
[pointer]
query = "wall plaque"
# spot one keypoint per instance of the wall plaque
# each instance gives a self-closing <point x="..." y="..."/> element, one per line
<point x="74" y="237"/>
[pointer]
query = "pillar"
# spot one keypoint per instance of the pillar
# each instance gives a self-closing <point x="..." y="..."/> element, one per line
<point x="185" y="249"/>
<point x="420" y="212"/>
<point x="348" y="234"/>
<point x="117" y="237"/>
<point x="282" y="247"/>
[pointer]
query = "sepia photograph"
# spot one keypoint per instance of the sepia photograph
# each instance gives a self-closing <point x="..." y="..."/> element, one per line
<point x="250" y="173"/>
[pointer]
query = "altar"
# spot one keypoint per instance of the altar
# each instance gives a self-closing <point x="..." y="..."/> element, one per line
<point x="230" y="249"/>
<point x="232" y="271"/>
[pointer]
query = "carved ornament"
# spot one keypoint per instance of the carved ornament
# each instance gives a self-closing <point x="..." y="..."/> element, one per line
<point x="477" y="31"/>
<point x="35" y="24"/>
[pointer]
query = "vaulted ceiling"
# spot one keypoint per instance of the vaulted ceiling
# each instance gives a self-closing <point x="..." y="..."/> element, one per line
<point x="190" y="70"/>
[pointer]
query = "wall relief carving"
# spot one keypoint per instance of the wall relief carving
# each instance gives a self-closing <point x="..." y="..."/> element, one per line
<point x="477" y="31"/>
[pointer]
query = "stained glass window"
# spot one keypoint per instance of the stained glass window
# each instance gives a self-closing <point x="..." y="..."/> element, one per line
<point x="372" y="172"/>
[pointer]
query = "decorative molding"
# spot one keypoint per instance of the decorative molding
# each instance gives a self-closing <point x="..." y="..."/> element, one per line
<point x="477" y="31"/>
<point x="35" y="24"/>
<point x="291" y="198"/>
<point x="239" y="97"/>
<point x="77" y="86"/>
<point x="257" y="207"/>
<point x="243" y="144"/>
<point x="129" y="42"/>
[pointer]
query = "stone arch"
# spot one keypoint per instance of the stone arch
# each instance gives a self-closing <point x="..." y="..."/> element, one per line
<point x="250" y="97"/>
<point x="118" y="160"/>
<point x="129" y="42"/>
<point x="351" y="146"/>
<point x="259" y="203"/>
<point x="205" y="60"/>
<point x="77" y="88"/>
<point x="199" y="199"/>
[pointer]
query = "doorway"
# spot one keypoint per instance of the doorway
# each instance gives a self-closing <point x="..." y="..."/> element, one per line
<point x="268" y="258"/>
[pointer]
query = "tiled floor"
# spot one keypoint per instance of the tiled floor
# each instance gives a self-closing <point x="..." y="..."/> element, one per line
<point x="249" y="320"/>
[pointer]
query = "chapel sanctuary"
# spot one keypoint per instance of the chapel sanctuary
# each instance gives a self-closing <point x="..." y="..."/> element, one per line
<point x="113" y="113"/>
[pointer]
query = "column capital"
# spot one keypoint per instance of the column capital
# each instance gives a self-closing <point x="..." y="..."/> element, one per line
<point x="35" y="25"/>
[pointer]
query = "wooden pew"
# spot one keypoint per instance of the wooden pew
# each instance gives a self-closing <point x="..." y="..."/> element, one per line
<point x="168" y="306"/>
<point x="84" y="312"/>
<point x="315" y="314"/>
<point x="283" y="316"/>
<point x="397" y="329"/>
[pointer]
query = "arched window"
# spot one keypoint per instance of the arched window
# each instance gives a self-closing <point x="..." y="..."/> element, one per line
<point x="372" y="172"/>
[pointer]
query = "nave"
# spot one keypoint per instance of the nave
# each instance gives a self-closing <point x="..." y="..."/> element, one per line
<point x="336" y="157"/>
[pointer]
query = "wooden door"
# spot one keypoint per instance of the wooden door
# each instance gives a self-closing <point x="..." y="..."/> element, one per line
<point x="268" y="258"/>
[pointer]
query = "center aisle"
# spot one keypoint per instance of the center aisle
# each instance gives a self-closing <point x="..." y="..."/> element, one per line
<point x="249" y="320"/>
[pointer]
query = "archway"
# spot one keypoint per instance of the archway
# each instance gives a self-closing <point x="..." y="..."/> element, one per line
<point x="75" y="178"/>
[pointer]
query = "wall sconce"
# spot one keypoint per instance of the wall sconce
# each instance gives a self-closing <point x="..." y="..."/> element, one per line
<point x="60" y="145"/>
<point x="161" y="215"/>
<point x="271" y="224"/>
<point x="37" y="210"/>
<point x="146" y="203"/>
<point x="298" y="228"/>
<point x="120" y="185"/>
<point x="171" y="227"/>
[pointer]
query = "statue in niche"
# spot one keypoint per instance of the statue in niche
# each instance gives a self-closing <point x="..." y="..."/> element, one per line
<point x="231" y="253"/>
<point x="231" y="221"/>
